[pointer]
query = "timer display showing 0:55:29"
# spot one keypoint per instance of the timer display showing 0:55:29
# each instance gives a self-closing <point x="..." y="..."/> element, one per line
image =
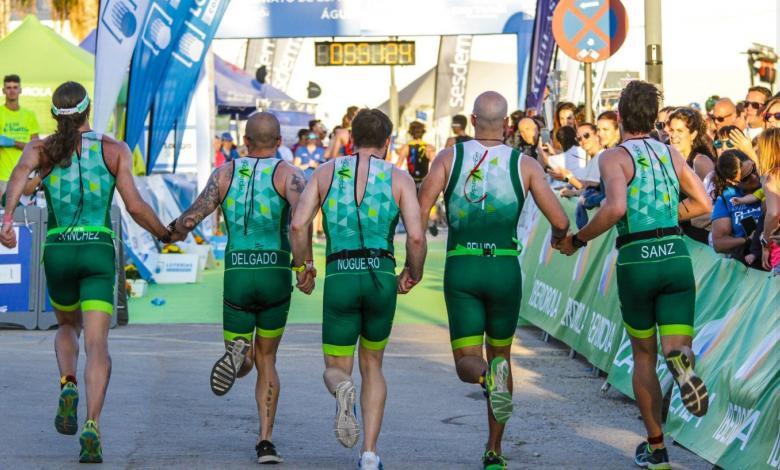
<point x="365" y="53"/>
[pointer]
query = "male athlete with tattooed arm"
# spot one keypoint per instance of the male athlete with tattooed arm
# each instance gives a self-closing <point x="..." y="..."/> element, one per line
<point x="257" y="193"/>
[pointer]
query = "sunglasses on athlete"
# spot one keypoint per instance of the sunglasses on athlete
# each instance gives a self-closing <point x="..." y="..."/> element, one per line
<point x="719" y="144"/>
<point x="776" y="116"/>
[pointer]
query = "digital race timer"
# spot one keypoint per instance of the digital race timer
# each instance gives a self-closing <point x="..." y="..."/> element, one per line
<point x="364" y="53"/>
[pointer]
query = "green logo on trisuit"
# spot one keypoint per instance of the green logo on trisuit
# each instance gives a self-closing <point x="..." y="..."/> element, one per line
<point x="245" y="172"/>
<point x="345" y="172"/>
<point x="477" y="175"/>
<point x="643" y="161"/>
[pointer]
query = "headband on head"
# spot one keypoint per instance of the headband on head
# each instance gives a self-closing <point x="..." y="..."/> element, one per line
<point x="78" y="109"/>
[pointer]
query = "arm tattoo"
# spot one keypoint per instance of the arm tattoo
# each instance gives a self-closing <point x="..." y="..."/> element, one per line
<point x="297" y="183"/>
<point x="204" y="205"/>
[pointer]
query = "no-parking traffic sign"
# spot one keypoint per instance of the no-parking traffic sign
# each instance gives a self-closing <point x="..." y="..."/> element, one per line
<point x="589" y="30"/>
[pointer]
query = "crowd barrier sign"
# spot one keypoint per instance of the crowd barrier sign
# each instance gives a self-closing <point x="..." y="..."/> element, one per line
<point x="19" y="268"/>
<point x="736" y="338"/>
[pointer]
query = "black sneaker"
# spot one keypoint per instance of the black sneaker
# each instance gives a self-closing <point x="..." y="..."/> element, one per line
<point x="646" y="457"/>
<point x="266" y="453"/>
<point x="433" y="229"/>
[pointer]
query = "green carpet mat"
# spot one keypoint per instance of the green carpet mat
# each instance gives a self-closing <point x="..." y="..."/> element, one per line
<point x="202" y="302"/>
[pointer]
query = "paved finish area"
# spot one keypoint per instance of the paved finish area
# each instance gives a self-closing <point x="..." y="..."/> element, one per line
<point x="160" y="412"/>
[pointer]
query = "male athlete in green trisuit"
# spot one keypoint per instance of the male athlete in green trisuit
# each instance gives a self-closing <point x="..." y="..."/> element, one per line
<point x="80" y="169"/>
<point x="257" y="193"/>
<point x="485" y="184"/>
<point x="644" y="179"/>
<point x="361" y="196"/>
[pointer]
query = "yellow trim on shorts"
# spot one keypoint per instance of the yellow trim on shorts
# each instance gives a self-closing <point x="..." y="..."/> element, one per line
<point x="270" y="333"/>
<point x="466" y="341"/>
<point x="671" y="330"/>
<point x="97" y="305"/>
<point x="373" y="345"/>
<point x="499" y="343"/>
<point x="64" y="308"/>
<point x="230" y="336"/>
<point x="640" y="334"/>
<point x="335" y="350"/>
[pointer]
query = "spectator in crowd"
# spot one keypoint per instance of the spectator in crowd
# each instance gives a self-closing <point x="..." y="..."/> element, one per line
<point x="608" y="129"/>
<point x="458" y="126"/>
<point x="302" y="133"/>
<point x="588" y="140"/>
<point x="309" y="155"/>
<point x="661" y="131"/>
<point x="18" y="126"/>
<point x="227" y="151"/>
<point x="722" y="141"/>
<point x="341" y="140"/>
<point x="564" y="116"/>
<point x="528" y="138"/>
<point x="772" y="113"/>
<point x="724" y="113"/>
<point x="769" y="166"/>
<point x="511" y="135"/>
<point x="733" y="224"/>
<point x="756" y="99"/>
<point x="316" y="126"/>
<point x="572" y="158"/>
<point x="687" y="135"/>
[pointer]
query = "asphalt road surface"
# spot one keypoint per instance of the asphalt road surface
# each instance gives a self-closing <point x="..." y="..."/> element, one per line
<point x="160" y="412"/>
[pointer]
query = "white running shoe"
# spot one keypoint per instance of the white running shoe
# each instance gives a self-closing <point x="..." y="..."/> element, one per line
<point x="369" y="461"/>
<point x="346" y="427"/>
<point x="225" y="370"/>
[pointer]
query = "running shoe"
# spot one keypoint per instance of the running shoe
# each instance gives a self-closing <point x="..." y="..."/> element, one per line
<point x="493" y="461"/>
<point x="66" y="421"/>
<point x="692" y="389"/>
<point x="225" y="370"/>
<point x="370" y="461"/>
<point x="91" y="451"/>
<point x="267" y="454"/>
<point x="346" y="427"/>
<point x="499" y="396"/>
<point x="646" y="457"/>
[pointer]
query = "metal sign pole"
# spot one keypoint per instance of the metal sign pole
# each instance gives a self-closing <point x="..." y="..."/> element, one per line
<point x="588" y="92"/>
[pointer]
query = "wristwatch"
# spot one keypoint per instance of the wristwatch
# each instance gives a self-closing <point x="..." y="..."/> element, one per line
<point x="764" y="241"/>
<point x="565" y="179"/>
<point x="575" y="240"/>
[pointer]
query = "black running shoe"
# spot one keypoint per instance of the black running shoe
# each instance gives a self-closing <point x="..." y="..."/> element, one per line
<point x="266" y="453"/>
<point x="646" y="457"/>
<point x="433" y="229"/>
<point x="693" y="392"/>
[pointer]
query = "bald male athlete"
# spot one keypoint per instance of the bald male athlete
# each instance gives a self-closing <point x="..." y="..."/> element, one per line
<point x="257" y="193"/>
<point x="485" y="184"/>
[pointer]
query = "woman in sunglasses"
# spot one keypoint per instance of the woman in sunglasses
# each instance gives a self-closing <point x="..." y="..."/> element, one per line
<point x="733" y="224"/>
<point x="769" y="164"/>
<point x="772" y="114"/>
<point x="687" y="135"/>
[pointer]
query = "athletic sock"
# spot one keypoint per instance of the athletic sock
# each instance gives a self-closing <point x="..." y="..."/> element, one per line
<point x="67" y="378"/>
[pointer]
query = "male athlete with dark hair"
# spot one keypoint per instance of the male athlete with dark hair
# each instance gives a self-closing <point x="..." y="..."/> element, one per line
<point x="643" y="179"/>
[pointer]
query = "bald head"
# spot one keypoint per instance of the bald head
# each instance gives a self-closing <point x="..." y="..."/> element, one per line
<point x="529" y="130"/>
<point x="724" y="113"/>
<point x="262" y="132"/>
<point x="490" y="110"/>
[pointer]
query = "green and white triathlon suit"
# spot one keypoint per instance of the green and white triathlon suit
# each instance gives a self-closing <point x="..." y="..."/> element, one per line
<point x="258" y="279"/>
<point x="654" y="273"/>
<point x="482" y="280"/>
<point x="78" y="255"/>
<point x="360" y="280"/>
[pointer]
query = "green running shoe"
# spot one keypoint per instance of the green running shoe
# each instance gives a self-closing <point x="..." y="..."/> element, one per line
<point x="499" y="396"/>
<point x="493" y="461"/>
<point x="91" y="451"/>
<point x="66" y="421"/>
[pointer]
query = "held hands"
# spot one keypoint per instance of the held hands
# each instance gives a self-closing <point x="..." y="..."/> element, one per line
<point x="565" y="245"/>
<point x="173" y="234"/>
<point x="306" y="278"/>
<point x="406" y="282"/>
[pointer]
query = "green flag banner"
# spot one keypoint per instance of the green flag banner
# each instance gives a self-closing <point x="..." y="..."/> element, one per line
<point x="736" y="338"/>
